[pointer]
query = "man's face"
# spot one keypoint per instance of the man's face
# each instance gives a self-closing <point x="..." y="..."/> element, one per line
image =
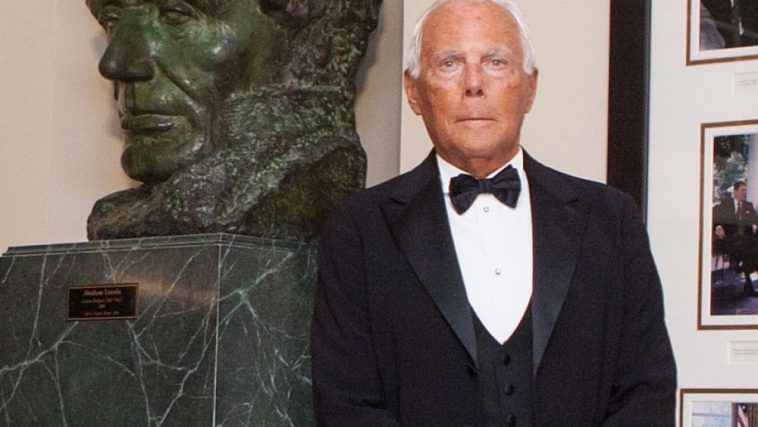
<point x="740" y="193"/>
<point x="172" y="62"/>
<point x="472" y="91"/>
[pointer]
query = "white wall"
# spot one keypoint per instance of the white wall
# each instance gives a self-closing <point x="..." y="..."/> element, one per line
<point x="567" y="128"/>
<point x="682" y="98"/>
<point x="61" y="142"/>
<point x="25" y="121"/>
<point x="379" y="82"/>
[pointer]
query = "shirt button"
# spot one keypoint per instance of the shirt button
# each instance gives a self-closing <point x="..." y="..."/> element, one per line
<point x="486" y="209"/>
<point x="498" y="271"/>
<point x="509" y="390"/>
<point x="506" y="360"/>
<point x="510" y="420"/>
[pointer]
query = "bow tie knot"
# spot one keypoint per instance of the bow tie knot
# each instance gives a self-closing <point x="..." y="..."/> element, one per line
<point x="505" y="186"/>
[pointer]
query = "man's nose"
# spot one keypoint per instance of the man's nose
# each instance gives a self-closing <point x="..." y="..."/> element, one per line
<point x="127" y="57"/>
<point x="473" y="81"/>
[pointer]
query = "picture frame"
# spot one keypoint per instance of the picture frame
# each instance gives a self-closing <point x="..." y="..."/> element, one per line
<point x="717" y="407"/>
<point x="728" y="253"/>
<point x="718" y="31"/>
<point x="628" y="99"/>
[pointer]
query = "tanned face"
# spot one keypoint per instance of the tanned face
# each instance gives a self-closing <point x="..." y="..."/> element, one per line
<point x="472" y="91"/>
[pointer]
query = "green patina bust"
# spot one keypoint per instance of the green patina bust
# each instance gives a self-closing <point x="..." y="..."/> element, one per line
<point x="238" y="114"/>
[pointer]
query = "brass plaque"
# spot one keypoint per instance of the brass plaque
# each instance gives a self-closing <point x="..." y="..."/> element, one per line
<point x="103" y="302"/>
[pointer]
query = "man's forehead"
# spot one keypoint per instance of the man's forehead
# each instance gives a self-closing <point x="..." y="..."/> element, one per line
<point x="461" y="21"/>
<point x="488" y="10"/>
<point x="470" y="38"/>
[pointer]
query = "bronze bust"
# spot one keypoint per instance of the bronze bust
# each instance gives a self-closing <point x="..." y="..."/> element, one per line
<point x="238" y="114"/>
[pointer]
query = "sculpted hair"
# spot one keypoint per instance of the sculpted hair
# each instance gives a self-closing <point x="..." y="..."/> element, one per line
<point x="288" y="13"/>
<point x="291" y="13"/>
<point x="414" y="54"/>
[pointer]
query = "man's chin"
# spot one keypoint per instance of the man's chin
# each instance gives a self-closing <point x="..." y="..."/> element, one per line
<point x="151" y="161"/>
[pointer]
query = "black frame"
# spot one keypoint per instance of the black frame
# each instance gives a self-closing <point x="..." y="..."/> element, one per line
<point x="628" y="99"/>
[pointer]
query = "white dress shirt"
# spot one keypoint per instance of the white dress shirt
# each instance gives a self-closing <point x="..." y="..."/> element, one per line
<point x="493" y="243"/>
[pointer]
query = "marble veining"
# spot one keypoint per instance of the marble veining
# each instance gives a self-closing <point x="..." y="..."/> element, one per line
<point x="220" y="338"/>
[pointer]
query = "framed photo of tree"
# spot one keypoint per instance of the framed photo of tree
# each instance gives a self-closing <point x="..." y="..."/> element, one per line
<point x="721" y="30"/>
<point x="728" y="293"/>
<point x="718" y="407"/>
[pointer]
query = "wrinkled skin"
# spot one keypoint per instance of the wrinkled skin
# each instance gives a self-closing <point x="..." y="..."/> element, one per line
<point x="472" y="91"/>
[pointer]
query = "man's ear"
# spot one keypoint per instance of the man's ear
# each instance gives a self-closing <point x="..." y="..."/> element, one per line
<point x="532" y="88"/>
<point x="411" y="91"/>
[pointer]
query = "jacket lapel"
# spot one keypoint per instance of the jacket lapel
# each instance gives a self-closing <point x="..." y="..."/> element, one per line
<point x="418" y="221"/>
<point x="557" y="226"/>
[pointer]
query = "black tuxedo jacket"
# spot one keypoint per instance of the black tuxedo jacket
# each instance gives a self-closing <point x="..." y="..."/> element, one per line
<point x="393" y="338"/>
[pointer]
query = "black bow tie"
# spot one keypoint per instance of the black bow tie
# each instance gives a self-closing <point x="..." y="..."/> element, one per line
<point x="505" y="186"/>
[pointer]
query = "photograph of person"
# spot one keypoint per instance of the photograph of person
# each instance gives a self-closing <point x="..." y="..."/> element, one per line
<point x="728" y="23"/>
<point x="734" y="226"/>
<point x="722" y="30"/>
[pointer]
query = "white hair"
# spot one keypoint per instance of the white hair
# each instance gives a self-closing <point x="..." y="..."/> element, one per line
<point x="414" y="54"/>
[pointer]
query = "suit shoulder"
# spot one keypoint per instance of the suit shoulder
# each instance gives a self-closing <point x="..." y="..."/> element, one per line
<point x="370" y="196"/>
<point x="569" y="186"/>
<point x="365" y="205"/>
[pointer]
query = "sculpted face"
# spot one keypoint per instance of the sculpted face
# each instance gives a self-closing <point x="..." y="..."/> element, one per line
<point x="172" y="63"/>
<point x="472" y="91"/>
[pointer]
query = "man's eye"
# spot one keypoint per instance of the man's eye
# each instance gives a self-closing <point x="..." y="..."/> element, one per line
<point x="177" y="13"/>
<point x="498" y="62"/>
<point x="448" y="63"/>
<point x="109" y="18"/>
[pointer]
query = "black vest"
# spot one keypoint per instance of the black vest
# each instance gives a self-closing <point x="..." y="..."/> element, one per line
<point x="504" y="379"/>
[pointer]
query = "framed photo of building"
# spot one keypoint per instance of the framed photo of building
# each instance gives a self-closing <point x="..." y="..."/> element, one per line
<point x="721" y="30"/>
<point x="718" y="408"/>
<point x="728" y="268"/>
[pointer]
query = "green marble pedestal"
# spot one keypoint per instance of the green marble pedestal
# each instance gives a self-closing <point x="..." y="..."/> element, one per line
<point x="221" y="336"/>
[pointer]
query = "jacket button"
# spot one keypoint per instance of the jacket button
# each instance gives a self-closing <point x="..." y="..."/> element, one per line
<point x="509" y="390"/>
<point x="506" y="360"/>
<point x="510" y="420"/>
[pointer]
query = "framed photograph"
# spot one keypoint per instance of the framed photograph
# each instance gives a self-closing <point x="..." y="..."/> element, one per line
<point x="721" y="30"/>
<point x="728" y="267"/>
<point x="718" y="408"/>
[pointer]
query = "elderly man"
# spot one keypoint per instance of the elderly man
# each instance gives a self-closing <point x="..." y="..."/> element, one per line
<point x="483" y="288"/>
